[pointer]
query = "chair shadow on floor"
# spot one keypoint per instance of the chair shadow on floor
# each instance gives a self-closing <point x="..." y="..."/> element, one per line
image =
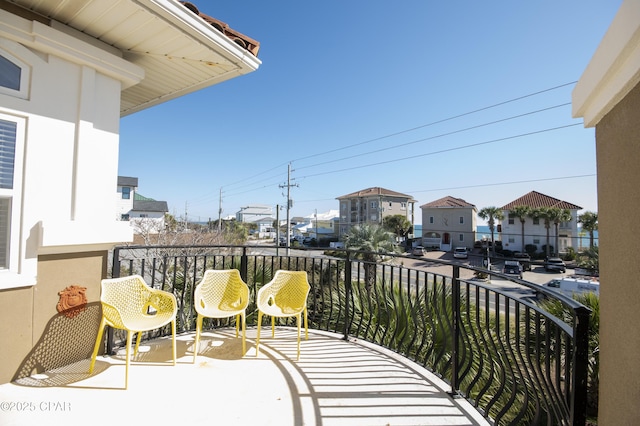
<point x="62" y="355"/>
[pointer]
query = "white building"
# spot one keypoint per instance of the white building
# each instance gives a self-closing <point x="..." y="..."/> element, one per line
<point x="145" y="215"/>
<point x="253" y="212"/>
<point x="70" y="71"/>
<point x="535" y="232"/>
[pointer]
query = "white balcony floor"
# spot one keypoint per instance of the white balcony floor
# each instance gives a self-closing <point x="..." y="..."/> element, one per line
<point x="334" y="383"/>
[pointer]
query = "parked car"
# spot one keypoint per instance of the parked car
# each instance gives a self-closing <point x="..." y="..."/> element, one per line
<point x="418" y="251"/>
<point x="524" y="260"/>
<point x="512" y="267"/>
<point x="554" y="264"/>
<point x="460" y="253"/>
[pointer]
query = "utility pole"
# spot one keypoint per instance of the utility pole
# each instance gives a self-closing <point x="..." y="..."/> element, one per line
<point x="289" y="204"/>
<point x="220" y="211"/>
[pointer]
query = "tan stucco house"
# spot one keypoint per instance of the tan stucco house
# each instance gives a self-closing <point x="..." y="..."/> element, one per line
<point x="372" y="205"/>
<point x="448" y="222"/>
<point x="607" y="97"/>
<point x="70" y="71"/>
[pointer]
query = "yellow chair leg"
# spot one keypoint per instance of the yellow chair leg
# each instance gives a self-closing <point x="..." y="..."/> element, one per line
<point x="258" y="336"/>
<point x="273" y="327"/>
<point x="173" y="336"/>
<point x="198" y="329"/>
<point x="138" y="338"/>
<point x="298" y="321"/>
<point x="96" y="347"/>
<point x="126" y="371"/>
<point x="244" y="333"/>
<point x="306" y="325"/>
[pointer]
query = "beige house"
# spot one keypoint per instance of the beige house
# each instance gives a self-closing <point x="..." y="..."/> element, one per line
<point x="372" y="205"/>
<point x="607" y="97"/>
<point x="535" y="232"/>
<point x="70" y="71"/>
<point x="448" y="222"/>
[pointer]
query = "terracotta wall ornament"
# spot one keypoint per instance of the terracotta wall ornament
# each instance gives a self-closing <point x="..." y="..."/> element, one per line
<point x="73" y="301"/>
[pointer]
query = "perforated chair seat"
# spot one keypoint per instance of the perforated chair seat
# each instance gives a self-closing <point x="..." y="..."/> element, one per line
<point x="129" y="304"/>
<point x="221" y="294"/>
<point x="284" y="296"/>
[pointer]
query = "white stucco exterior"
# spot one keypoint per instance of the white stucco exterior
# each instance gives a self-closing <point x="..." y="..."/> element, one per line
<point x="66" y="147"/>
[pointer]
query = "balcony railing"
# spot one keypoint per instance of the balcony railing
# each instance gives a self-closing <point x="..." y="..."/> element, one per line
<point x="507" y="355"/>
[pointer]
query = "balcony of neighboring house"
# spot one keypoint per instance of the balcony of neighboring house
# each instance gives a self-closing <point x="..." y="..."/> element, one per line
<point x="387" y="344"/>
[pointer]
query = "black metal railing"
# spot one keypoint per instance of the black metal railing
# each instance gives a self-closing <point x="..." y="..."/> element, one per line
<point x="495" y="345"/>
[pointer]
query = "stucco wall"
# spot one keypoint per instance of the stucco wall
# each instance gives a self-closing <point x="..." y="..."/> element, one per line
<point x="618" y="153"/>
<point x="34" y="336"/>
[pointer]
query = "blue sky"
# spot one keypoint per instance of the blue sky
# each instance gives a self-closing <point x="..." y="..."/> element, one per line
<point x="428" y="98"/>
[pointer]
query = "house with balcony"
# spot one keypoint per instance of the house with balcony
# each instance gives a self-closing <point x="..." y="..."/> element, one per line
<point x="371" y="206"/>
<point x="70" y="71"/>
<point x="448" y="222"/>
<point x="535" y="232"/>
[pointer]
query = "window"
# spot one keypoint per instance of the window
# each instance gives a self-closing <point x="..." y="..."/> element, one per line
<point x="461" y="237"/>
<point x="511" y="219"/>
<point x="9" y="74"/>
<point x="144" y="215"/>
<point x="461" y="220"/>
<point x="403" y="206"/>
<point x="126" y="193"/>
<point x="390" y="204"/>
<point x="14" y="75"/>
<point x="8" y="131"/>
<point x="536" y="241"/>
<point x="430" y="219"/>
<point x="11" y="146"/>
<point x="374" y="205"/>
<point x="124" y="217"/>
<point x="512" y="240"/>
<point x="536" y="221"/>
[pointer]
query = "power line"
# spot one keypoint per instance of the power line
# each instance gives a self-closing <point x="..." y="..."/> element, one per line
<point x="444" y="150"/>
<point x="360" y="154"/>
<point x="267" y="185"/>
<point x="433" y="123"/>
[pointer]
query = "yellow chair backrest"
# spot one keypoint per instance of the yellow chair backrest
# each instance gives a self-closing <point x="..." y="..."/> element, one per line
<point x="126" y="300"/>
<point x="288" y="290"/>
<point x="222" y="291"/>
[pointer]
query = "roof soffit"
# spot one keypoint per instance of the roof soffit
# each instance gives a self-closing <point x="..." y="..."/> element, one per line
<point x="178" y="50"/>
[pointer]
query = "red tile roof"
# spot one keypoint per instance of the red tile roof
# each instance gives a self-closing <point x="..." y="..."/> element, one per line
<point x="376" y="191"/>
<point x="536" y="199"/>
<point x="246" y="42"/>
<point x="449" y="201"/>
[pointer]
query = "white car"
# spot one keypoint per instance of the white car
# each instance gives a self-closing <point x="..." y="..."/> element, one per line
<point x="460" y="253"/>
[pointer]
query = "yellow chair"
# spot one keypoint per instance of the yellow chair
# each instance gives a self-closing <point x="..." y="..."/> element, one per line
<point x="284" y="296"/>
<point x="221" y="294"/>
<point x="128" y="303"/>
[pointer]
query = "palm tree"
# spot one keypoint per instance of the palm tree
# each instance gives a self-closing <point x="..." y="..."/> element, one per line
<point x="372" y="242"/>
<point x="559" y="215"/>
<point x="521" y="212"/>
<point x="491" y="214"/>
<point x="589" y="222"/>
<point x="546" y="214"/>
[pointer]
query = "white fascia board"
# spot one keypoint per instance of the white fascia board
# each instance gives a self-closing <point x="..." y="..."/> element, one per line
<point x="195" y="27"/>
<point x="614" y="68"/>
<point x="57" y="40"/>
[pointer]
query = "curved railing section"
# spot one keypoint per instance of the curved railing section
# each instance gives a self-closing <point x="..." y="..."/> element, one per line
<point x="496" y="346"/>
